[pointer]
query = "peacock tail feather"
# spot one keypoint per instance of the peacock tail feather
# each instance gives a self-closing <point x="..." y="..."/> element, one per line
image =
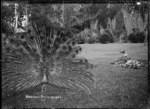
<point x="43" y="55"/>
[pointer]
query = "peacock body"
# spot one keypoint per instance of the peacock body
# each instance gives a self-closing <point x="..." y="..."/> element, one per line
<point x="43" y="56"/>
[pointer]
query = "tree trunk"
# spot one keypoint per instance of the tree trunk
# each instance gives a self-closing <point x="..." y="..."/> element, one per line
<point x="63" y="15"/>
<point x="146" y="35"/>
<point x="26" y="17"/>
<point x="16" y="17"/>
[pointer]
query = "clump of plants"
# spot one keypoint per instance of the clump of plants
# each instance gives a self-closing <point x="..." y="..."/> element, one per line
<point x="123" y="38"/>
<point x="87" y="36"/>
<point x="106" y="37"/>
<point x="132" y="38"/>
<point x="140" y="37"/>
<point x="91" y="40"/>
<point x="127" y="62"/>
<point x="136" y="37"/>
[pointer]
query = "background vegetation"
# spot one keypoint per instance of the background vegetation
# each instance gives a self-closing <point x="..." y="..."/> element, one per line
<point x="91" y="23"/>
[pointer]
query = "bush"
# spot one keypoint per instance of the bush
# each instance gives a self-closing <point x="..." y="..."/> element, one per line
<point x="80" y="40"/>
<point x="132" y="38"/>
<point x="82" y="37"/>
<point x="117" y="33"/>
<point x="138" y="37"/>
<point x="91" y="40"/>
<point x="93" y="36"/>
<point x="104" y="38"/>
<point x="112" y="39"/>
<point x="123" y="37"/>
<point x="87" y="36"/>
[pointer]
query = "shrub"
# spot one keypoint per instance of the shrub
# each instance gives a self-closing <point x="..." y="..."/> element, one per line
<point x="93" y="36"/>
<point x="123" y="37"/>
<point x="81" y="40"/>
<point x="104" y="38"/>
<point x="82" y="37"/>
<point x="140" y="37"/>
<point x="117" y="33"/>
<point x="132" y="38"/>
<point x="91" y="40"/>
<point x="112" y="38"/>
<point x="87" y="36"/>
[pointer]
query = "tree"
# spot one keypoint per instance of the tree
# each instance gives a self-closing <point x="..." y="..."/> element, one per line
<point x="135" y="16"/>
<point x="13" y="15"/>
<point x="7" y="12"/>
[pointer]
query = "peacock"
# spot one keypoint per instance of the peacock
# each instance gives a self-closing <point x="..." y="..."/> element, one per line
<point x="44" y="55"/>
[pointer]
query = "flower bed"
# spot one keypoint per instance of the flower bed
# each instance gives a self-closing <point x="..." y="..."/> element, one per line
<point x="130" y="63"/>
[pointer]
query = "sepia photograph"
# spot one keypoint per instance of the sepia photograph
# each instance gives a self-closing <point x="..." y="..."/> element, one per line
<point x="75" y="54"/>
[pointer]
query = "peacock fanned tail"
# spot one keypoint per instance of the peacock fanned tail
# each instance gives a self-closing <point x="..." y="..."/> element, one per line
<point x="43" y="55"/>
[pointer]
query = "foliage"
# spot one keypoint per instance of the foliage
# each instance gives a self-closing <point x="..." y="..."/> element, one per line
<point x="108" y="11"/>
<point x="110" y="35"/>
<point x="83" y="36"/>
<point x="92" y="40"/>
<point x="123" y="38"/>
<point x="141" y="9"/>
<point x="59" y="15"/>
<point x="7" y="18"/>
<point x="140" y="37"/>
<point x="87" y="36"/>
<point x="44" y="14"/>
<point x="119" y="21"/>
<point x="9" y="13"/>
<point x="104" y="38"/>
<point x="113" y="10"/>
<point x="67" y="15"/>
<point x="117" y="33"/>
<point x="127" y="62"/>
<point x="73" y="17"/>
<point x="100" y="12"/>
<point x="136" y="37"/>
<point x="132" y="38"/>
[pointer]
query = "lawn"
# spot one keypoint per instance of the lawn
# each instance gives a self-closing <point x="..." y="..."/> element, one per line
<point x="115" y="87"/>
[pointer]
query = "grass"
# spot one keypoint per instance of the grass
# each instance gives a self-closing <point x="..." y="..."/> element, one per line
<point x="116" y="87"/>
